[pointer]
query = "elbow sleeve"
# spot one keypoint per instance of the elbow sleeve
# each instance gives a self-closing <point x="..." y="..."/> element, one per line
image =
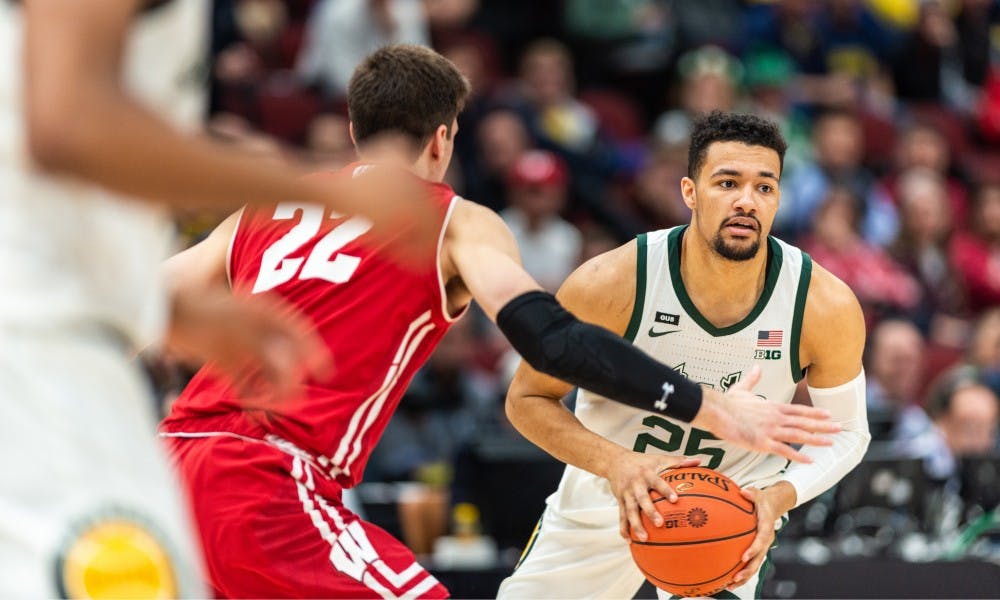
<point x="847" y="406"/>
<point x="556" y="343"/>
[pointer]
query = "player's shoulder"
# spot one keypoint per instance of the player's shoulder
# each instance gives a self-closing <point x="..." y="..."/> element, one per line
<point x="829" y="295"/>
<point x="602" y="289"/>
<point x="470" y="221"/>
<point x="832" y="316"/>
<point x="609" y="268"/>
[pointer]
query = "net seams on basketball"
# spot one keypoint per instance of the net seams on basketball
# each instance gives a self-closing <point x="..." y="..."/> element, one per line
<point x="688" y="585"/>
<point x="753" y="509"/>
<point x="700" y="541"/>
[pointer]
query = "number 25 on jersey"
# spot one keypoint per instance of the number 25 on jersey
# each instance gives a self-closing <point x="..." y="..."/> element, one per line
<point x="323" y="262"/>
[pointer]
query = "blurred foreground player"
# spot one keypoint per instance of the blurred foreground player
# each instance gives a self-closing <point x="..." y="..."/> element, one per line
<point x="266" y="477"/>
<point x="90" y="95"/>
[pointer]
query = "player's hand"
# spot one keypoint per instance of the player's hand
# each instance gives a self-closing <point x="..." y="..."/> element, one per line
<point x="632" y="475"/>
<point x="771" y="503"/>
<point x="264" y="345"/>
<point x="745" y="419"/>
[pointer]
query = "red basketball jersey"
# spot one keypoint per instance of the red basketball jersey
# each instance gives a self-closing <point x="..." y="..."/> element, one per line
<point x="380" y="321"/>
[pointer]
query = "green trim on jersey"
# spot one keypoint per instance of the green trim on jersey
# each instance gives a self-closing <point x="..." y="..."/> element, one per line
<point x="800" y="309"/>
<point x="531" y="542"/>
<point x="773" y="269"/>
<point x="762" y="574"/>
<point x="640" y="288"/>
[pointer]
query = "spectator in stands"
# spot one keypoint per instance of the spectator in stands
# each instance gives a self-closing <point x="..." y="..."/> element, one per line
<point x="922" y="145"/>
<point x="838" y="142"/>
<point x="656" y="193"/>
<point x="922" y="247"/>
<point x="975" y="255"/>
<point x="328" y="142"/>
<point x="965" y="414"/>
<point x="628" y="37"/>
<point x="984" y="348"/>
<point x="935" y="46"/>
<point x="881" y="285"/>
<point x="769" y="79"/>
<point x="342" y="32"/>
<point x="550" y="246"/>
<point x="839" y="46"/>
<point x="548" y="90"/>
<point x="471" y="56"/>
<point x="787" y="25"/>
<point x="708" y="81"/>
<point x="895" y="365"/>
<point x="500" y="139"/>
<point x="261" y="23"/>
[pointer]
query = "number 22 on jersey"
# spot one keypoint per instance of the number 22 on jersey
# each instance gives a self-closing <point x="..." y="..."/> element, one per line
<point x="325" y="261"/>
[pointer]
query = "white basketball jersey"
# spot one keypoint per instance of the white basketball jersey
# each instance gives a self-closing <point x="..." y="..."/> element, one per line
<point x="71" y="252"/>
<point x="666" y="325"/>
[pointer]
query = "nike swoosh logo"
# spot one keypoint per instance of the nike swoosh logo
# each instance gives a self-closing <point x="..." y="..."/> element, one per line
<point x="653" y="333"/>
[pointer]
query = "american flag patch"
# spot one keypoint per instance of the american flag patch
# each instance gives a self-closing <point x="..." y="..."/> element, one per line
<point x="768" y="338"/>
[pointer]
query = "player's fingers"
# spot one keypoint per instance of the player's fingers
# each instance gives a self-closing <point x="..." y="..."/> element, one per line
<point x="647" y="506"/>
<point x="663" y="488"/>
<point x="791" y="435"/>
<point x="754" y="563"/>
<point x="751" y="380"/>
<point x="622" y="522"/>
<point x="680" y="464"/>
<point x="634" y="522"/>
<point x="760" y="541"/>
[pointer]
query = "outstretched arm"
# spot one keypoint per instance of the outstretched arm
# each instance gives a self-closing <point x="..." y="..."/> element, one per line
<point x="83" y="123"/>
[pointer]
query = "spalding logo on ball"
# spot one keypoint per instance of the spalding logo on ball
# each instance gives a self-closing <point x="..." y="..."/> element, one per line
<point x="704" y="534"/>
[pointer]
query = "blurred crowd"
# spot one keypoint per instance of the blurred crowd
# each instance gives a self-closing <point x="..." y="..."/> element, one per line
<point x="577" y="131"/>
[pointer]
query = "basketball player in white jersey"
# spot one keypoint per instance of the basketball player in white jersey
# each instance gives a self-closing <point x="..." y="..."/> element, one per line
<point x="721" y="302"/>
<point x="94" y="100"/>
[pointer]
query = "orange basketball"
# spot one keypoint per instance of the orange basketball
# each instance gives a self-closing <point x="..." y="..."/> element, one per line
<point x="704" y="535"/>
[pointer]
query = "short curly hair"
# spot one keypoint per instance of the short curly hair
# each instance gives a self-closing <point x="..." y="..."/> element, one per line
<point x="719" y="126"/>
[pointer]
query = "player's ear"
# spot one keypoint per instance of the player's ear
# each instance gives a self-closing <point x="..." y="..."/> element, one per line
<point x="438" y="140"/>
<point x="688" y="192"/>
<point x="350" y="130"/>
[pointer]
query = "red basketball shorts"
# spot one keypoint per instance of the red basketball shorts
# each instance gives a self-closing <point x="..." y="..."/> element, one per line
<point x="272" y="526"/>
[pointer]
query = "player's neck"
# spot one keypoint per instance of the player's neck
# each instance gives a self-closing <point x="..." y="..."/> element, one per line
<point x="724" y="290"/>
<point x="395" y="156"/>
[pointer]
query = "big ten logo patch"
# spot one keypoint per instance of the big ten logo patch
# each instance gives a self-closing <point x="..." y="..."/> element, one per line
<point x="116" y="554"/>
<point x="760" y="354"/>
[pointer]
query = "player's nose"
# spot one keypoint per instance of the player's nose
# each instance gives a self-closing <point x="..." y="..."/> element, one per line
<point x="745" y="201"/>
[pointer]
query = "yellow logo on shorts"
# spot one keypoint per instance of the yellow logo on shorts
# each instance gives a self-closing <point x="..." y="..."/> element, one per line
<point x="116" y="558"/>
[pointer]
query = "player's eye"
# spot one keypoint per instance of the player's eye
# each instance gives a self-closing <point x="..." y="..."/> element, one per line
<point x="766" y="188"/>
<point x="727" y="184"/>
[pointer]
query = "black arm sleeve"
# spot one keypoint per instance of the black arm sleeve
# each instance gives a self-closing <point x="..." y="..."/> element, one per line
<point x="555" y="342"/>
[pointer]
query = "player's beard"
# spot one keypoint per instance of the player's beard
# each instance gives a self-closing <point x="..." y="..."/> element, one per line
<point x="734" y="252"/>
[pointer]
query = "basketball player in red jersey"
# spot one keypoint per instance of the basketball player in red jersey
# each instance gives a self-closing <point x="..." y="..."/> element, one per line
<point x="266" y="477"/>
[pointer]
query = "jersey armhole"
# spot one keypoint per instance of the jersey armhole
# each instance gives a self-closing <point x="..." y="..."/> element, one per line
<point x="442" y="290"/>
<point x="799" y="312"/>
<point x="229" y="250"/>
<point x="640" y="288"/>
